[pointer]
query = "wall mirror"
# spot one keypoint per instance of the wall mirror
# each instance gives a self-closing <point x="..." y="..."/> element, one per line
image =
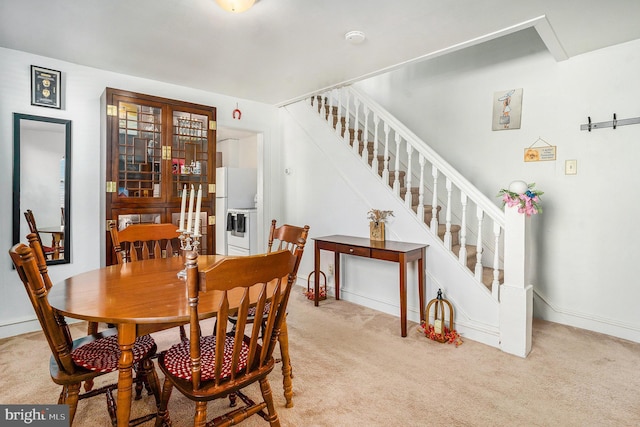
<point x="41" y="182"/>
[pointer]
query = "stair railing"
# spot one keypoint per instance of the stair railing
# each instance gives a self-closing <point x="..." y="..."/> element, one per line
<point x="342" y="109"/>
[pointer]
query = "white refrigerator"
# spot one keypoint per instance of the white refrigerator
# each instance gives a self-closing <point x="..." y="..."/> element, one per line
<point x="236" y="188"/>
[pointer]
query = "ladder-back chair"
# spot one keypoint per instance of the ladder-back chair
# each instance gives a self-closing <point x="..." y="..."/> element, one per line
<point x="206" y="368"/>
<point x="81" y="360"/>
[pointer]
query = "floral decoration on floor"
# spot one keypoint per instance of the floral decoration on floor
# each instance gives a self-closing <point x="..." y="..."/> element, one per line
<point x="528" y="202"/>
<point x="450" y="336"/>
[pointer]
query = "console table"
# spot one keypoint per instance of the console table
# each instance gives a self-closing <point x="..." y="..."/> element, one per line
<point x="399" y="252"/>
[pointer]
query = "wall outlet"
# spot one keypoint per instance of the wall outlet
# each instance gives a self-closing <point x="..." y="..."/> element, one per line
<point x="330" y="269"/>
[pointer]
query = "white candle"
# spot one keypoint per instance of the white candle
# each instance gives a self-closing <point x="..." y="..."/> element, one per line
<point x="182" y="208"/>
<point x="190" y="216"/>
<point x="196" y="227"/>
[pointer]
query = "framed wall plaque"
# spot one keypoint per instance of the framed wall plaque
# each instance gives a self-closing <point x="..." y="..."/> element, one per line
<point x="45" y="87"/>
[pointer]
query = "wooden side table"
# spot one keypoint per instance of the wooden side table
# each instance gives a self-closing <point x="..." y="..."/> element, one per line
<point x="399" y="252"/>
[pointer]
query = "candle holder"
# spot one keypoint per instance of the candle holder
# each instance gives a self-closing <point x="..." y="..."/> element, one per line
<point x="188" y="242"/>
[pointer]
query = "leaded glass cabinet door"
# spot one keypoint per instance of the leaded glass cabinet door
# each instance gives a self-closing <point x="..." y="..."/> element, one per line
<point x="156" y="148"/>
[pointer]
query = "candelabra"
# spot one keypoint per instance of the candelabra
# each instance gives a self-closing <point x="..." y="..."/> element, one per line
<point x="188" y="242"/>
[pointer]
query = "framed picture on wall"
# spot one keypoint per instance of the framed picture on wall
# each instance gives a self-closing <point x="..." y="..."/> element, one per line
<point x="46" y="86"/>
<point x="507" y="109"/>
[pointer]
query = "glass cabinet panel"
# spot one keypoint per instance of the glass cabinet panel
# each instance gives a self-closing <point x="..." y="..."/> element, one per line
<point x="189" y="151"/>
<point x="139" y="150"/>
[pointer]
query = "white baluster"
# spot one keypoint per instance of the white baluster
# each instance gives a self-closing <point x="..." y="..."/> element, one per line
<point x="495" y="285"/>
<point x="347" y="116"/>
<point x="396" y="178"/>
<point x="447" y="233"/>
<point x="323" y="103"/>
<point x="408" y="195"/>
<point x="462" y="255"/>
<point x="365" y="135"/>
<point x="330" y="115"/>
<point x="478" y="272"/>
<point x="434" y="201"/>
<point x="374" y="162"/>
<point x="339" y="113"/>
<point x="356" y="120"/>
<point x="420" y="209"/>
<point x="385" y="169"/>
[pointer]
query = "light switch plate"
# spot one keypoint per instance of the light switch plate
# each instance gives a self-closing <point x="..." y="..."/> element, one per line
<point x="570" y="167"/>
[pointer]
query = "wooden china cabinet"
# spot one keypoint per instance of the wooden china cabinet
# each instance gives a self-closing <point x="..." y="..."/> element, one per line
<point x="156" y="146"/>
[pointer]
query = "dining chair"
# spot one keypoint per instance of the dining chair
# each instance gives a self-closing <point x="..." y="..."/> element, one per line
<point x="143" y="241"/>
<point x="206" y="368"/>
<point x="291" y="238"/>
<point x="75" y="361"/>
<point x="49" y="251"/>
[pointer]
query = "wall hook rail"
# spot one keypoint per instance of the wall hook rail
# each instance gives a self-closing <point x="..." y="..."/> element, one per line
<point x="610" y="124"/>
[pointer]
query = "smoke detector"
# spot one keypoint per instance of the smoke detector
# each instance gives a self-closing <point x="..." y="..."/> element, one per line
<point x="354" y="37"/>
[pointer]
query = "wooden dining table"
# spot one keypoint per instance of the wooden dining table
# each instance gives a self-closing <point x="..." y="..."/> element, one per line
<point x="141" y="297"/>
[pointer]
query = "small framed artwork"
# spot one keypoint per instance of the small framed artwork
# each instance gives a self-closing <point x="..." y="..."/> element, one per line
<point x="507" y="109"/>
<point x="46" y="86"/>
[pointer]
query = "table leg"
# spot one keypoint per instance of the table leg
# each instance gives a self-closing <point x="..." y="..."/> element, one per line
<point x="316" y="276"/>
<point x="421" y="285"/>
<point x="336" y="278"/>
<point x="126" y="339"/>
<point x="403" y="294"/>
<point x="283" y="340"/>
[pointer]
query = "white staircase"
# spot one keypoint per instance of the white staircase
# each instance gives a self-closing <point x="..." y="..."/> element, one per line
<point x="465" y="226"/>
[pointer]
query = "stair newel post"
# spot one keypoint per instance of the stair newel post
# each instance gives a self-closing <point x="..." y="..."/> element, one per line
<point x="396" y="177"/>
<point x="478" y="270"/>
<point x="347" y="114"/>
<point x="365" y="135"/>
<point x="434" y="201"/>
<point x="356" y="141"/>
<point x="376" y="123"/>
<point x="408" y="195"/>
<point x="447" y="233"/>
<point x="462" y="255"/>
<point x="385" y="170"/>
<point x="420" y="211"/>
<point x="495" y="284"/>
<point x="338" y="125"/>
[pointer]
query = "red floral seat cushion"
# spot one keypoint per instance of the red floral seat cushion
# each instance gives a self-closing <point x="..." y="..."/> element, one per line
<point x="178" y="362"/>
<point x="102" y="355"/>
<point x="252" y="310"/>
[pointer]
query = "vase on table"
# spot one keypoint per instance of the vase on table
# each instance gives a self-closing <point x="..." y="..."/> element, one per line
<point x="376" y="230"/>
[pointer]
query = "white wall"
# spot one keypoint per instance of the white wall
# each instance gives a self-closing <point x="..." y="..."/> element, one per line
<point x="82" y="88"/>
<point x="586" y="258"/>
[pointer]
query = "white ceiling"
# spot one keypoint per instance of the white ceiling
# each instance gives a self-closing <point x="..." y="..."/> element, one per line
<point x="281" y="50"/>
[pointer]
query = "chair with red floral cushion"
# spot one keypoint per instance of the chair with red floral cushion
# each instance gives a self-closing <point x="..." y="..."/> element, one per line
<point x="293" y="239"/>
<point x="81" y="360"/>
<point x="206" y="368"/>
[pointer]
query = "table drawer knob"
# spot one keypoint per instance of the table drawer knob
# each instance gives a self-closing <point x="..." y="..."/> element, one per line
<point x="351" y="250"/>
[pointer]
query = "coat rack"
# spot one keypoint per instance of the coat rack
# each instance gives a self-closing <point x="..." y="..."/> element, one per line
<point x="610" y="124"/>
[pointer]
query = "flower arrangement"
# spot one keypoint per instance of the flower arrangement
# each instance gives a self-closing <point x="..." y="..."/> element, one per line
<point x="528" y="201"/>
<point x="448" y="336"/>
<point x="377" y="215"/>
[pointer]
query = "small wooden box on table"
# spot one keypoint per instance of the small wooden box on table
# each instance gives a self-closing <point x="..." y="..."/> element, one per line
<point x="399" y="252"/>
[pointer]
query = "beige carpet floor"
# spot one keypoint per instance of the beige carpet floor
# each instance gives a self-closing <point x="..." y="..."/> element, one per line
<point x="352" y="368"/>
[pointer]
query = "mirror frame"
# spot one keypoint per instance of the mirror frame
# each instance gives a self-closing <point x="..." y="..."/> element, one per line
<point x="17" y="214"/>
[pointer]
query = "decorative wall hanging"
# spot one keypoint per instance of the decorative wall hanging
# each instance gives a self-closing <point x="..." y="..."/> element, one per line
<point x="540" y="153"/>
<point x="46" y="86"/>
<point x="507" y="109"/>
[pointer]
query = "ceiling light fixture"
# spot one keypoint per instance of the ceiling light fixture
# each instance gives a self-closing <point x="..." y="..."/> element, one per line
<point x="235" y="6"/>
<point x="354" y="37"/>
